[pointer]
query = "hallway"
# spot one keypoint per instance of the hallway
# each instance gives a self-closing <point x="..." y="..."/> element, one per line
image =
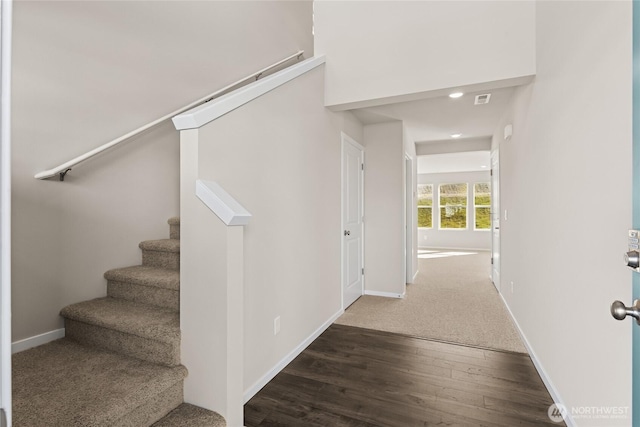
<point x="449" y="282"/>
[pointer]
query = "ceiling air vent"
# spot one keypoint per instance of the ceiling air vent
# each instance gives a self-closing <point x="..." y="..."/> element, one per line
<point x="483" y="99"/>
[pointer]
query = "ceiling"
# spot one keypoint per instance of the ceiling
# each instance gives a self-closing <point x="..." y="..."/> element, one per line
<point x="469" y="161"/>
<point x="435" y="119"/>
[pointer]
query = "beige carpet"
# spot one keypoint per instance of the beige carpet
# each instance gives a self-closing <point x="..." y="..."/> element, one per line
<point x="119" y="363"/>
<point x="452" y="300"/>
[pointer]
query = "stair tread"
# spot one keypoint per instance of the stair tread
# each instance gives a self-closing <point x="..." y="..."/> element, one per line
<point x="161" y="245"/>
<point x="63" y="383"/>
<point x="187" y="415"/>
<point x="142" y="320"/>
<point x="146" y="276"/>
<point x="174" y="220"/>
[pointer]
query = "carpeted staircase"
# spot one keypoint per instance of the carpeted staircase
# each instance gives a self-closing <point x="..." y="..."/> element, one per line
<point x="119" y="363"/>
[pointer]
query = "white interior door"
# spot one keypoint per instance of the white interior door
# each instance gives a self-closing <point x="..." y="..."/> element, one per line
<point x="5" y="213"/>
<point x="495" y="218"/>
<point x="352" y="224"/>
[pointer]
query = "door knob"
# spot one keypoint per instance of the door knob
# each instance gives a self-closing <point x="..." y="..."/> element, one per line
<point x="619" y="311"/>
<point x="632" y="259"/>
<point x="347" y="233"/>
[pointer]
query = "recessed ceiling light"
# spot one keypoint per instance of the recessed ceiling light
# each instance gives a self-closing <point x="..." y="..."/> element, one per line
<point x="455" y="95"/>
<point x="456" y="135"/>
<point x="483" y="166"/>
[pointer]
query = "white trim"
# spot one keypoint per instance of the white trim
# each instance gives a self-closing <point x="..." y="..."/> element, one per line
<point x="257" y="386"/>
<point x="435" y="248"/>
<point x="205" y="113"/>
<point x="543" y="374"/>
<point x="6" y="11"/>
<point x="384" y="294"/>
<point x="27" y="343"/>
<point x="352" y="141"/>
<point x="222" y="203"/>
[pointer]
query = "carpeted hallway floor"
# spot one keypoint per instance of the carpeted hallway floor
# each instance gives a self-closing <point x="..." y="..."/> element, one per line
<point x="453" y="300"/>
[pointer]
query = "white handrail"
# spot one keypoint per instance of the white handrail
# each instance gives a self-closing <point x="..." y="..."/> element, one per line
<point x="62" y="169"/>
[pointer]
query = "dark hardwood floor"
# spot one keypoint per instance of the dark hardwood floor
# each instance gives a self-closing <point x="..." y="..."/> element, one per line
<point x="360" y="377"/>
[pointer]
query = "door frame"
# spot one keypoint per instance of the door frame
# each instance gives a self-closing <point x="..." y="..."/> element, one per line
<point x="495" y="215"/>
<point x="635" y="280"/>
<point x="409" y="219"/>
<point x="5" y="213"/>
<point x="346" y="139"/>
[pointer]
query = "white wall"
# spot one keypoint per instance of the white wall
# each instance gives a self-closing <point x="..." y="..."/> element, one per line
<point x="87" y="72"/>
<point x="456" y="239"/>
<point x="384" y="209"/>
<point x="285" y="169"/>
<point x="566" y="185"/>
<point x="380" y="50"/>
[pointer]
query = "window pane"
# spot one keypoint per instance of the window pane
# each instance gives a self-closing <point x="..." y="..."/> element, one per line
<point x="453" y="194"/>
<point x="425" y="217"/>
<point x="482" y="194"/>
<point x="425" y="195"/>
<point x="453" y="206"/>
<point x="483" y="218"/>
<point x="453" y="217"/>
<point x="425" y="203"/>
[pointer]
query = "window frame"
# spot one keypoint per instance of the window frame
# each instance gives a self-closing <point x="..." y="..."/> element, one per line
<point x="418" y="206"/>
<point x="475" y="212"/>
<point x="466" y="207"/>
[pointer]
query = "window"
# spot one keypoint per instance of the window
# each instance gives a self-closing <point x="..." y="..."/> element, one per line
<point x="482" y="205"/>
<point x="453" y="206"/>
<point x="425" y="205"/>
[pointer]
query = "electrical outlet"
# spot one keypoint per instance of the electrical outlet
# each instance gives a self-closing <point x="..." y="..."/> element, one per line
<point x="276" y="325"/>
<point x="511" y="287"/>
<point x="506" y="217"/>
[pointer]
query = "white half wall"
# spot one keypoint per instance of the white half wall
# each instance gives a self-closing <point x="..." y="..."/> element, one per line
<point x="280" y="156"/>
<point x="384" y="209"/>
<point x="566" y="186"/>
<point x="383" y="50"/>
<point x="88" y="72"/>
<point x="455" y="239"/>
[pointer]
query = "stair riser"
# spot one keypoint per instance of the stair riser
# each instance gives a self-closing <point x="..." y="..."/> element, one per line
<point x="169" y="260"/>
<point x="123" y="343"/>
<point x="174" y="231"/>
<point x="164" y="298"/>
<point x="155" y="408"/>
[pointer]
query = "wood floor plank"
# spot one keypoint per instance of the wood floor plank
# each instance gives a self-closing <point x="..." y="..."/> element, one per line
<point x="358" y="377"/>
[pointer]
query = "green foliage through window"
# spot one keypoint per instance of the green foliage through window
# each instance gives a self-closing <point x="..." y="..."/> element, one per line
<point x="482" y="205"/>
<point x="453" y="206"/>
<point x="425" y="205"/>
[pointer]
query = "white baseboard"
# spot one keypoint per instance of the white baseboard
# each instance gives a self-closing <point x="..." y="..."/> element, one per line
<point x="435" y="248"/>
<point x="569" y="421"/>
<point x="384" y="294"/>
<point x="37" y="340"/>
<point x="257" y="386"/>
